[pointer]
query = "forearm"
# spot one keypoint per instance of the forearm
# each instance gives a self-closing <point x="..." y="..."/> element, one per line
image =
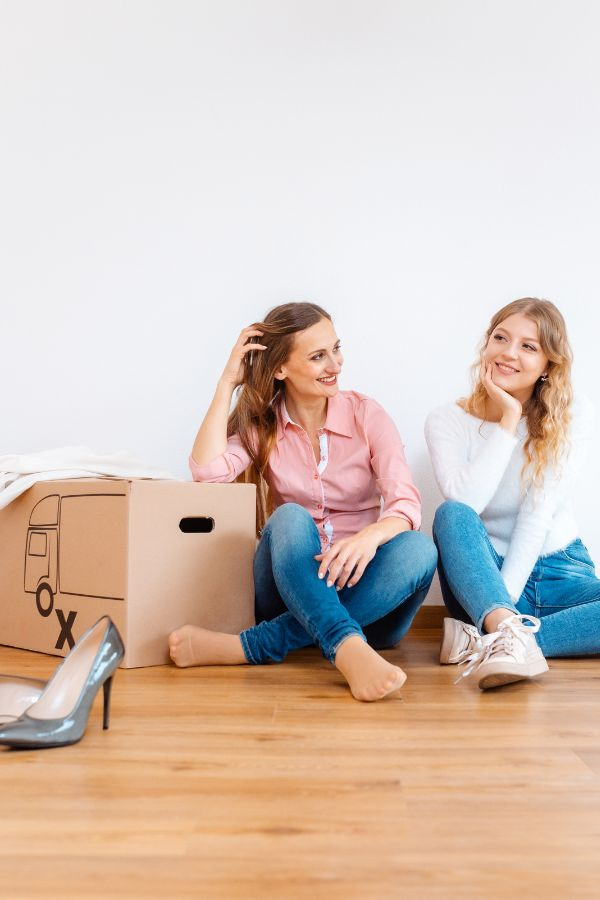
<point x="211" y="440"/>
<point x="523" y="552"/>
<point x="386" y="529"/>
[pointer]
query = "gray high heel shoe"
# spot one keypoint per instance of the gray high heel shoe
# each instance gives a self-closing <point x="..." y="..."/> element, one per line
<point x="60" y="715"/>
<point x="17" y="694"/>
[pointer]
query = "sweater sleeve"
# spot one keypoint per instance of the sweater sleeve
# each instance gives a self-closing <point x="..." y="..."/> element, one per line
<point x="472" y="481"/>
<point x="226" y="467"/>
<point x="540" y="504"/>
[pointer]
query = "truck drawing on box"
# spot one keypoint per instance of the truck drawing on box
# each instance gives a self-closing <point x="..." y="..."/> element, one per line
<point x="75" y="546"/>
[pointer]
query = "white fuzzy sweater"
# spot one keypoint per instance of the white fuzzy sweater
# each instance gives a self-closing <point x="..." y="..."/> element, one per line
<point x="479" y="463"/>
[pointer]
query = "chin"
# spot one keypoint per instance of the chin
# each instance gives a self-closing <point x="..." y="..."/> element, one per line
<point x="507" y="382"/>
<point x="508" y="387"/>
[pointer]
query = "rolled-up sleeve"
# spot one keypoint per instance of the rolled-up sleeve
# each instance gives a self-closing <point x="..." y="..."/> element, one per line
<point x="400" y="496"/>
<point x="224" y="468"/>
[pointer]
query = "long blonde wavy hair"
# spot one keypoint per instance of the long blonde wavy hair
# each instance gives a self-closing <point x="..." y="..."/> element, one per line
<point x="254" y="417"/>
<point x="548" y="411"/>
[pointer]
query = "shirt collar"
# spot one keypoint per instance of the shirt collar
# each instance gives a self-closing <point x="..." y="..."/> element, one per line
<point x="337" y="421"/>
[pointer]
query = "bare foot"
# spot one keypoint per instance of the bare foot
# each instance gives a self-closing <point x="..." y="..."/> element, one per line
<point x="193" y="646"/>
<point x="369" y="675"/>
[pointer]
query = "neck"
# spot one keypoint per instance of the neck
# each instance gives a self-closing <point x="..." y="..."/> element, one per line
<point x="309" y="414"/>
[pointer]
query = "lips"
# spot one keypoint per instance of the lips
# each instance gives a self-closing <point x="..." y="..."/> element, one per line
<point x="331" y="379"/>
<point x="506" y="370"/>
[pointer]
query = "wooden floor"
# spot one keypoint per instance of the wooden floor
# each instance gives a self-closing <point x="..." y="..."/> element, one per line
<point x="272" y="782"/>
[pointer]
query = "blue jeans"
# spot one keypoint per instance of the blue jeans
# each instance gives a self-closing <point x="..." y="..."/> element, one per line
<point x="294" y="608"/>
<point x="562" y="589"/>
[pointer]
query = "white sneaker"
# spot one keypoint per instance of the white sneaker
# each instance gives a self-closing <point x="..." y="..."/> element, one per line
<point x="459" y="641"/>
<point x="509" y="654"/>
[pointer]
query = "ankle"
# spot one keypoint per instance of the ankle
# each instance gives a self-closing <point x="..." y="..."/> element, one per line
<point x="348" y="649"/>
<point x="495" y="617"/>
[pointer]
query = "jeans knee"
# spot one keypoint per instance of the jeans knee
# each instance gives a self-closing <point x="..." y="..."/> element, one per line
<point x="416" y="553"/>
<point x="291" y="523"/>
<point x="288" y="515"/>
<point x="429" y="555"/>
<point x="424" y="552"/>
<point x="449" y="514"/>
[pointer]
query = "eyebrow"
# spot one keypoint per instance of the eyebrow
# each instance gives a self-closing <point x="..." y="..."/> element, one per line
<point x="323" y="349"/>
<point x="529" y="340"/>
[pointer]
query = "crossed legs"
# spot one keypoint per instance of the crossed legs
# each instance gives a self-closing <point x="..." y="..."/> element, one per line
<point x="298" y="609"/>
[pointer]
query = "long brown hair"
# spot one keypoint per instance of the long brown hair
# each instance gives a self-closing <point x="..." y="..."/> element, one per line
<point x="548" y="411"/>
<point x="254" y="417"/>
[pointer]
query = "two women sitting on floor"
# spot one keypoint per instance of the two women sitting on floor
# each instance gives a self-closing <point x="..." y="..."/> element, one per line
<point x="340" y="561"/>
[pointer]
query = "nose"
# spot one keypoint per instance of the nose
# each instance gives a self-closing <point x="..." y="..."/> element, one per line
<point x="510" y="350"/>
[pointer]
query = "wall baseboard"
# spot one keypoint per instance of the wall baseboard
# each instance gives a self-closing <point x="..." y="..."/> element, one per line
<point x="430" y="617"/>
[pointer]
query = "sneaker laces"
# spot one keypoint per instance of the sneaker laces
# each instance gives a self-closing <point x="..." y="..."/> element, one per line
<point x="469" y="633"/>
<point x="500" y="642"/>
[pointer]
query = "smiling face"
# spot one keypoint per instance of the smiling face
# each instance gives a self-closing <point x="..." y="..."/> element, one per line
<point x="311" y="370"/>
<point x="516" y="356"/>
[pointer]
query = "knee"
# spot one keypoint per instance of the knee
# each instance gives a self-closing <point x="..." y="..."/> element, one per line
<point x="290" y="519"/>
<point x="419" y="552"/>
<point x="425" y="553"/>
<point x="450" y="514"/>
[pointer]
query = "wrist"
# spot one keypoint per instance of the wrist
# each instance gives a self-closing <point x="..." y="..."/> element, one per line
<point x="510" y="421"/>
<point x="387" y="528"/>
<point x="225" y="387"/>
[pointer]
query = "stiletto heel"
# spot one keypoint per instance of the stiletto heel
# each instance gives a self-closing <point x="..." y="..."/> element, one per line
<point x="60" y="715"/>
<point x="106" y="688"/>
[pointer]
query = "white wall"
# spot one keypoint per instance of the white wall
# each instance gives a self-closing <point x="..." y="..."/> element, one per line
<point x="171" y="169"/>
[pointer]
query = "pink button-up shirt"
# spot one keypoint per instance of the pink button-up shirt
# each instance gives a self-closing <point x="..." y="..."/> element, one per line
<point x="362" y="475"/>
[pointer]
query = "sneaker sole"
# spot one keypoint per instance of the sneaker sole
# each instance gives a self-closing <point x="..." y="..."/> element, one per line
<point x="511" y="674"/>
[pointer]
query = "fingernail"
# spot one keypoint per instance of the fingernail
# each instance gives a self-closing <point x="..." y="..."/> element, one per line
<point x="321" y="575"/>
<point x="329" y="583"/>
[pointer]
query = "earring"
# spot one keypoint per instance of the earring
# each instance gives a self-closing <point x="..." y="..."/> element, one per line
<point x="544" y="377"/>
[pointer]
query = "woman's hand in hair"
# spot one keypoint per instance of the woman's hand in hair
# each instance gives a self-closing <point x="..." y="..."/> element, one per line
<point x="233" y="373"/>
<point x="509" y="407"/>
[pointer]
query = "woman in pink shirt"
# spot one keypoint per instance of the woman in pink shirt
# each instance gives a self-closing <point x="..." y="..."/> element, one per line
<point x="340" y="561"/>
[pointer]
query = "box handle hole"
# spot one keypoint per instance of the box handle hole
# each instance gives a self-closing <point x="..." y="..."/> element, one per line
<point x="197" y="525"/>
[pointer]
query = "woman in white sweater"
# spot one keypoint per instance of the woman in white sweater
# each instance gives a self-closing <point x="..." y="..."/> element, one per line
<point x="517" y="581"/>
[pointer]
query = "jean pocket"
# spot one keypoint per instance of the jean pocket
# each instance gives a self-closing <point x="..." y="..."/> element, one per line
<point x="577" y="554"/>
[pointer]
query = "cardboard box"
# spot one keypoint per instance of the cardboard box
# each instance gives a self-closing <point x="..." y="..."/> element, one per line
<point x="152" y="555"/>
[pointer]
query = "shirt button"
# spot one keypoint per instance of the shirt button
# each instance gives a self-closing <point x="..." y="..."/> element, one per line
<point x="319" y="506"/>
<point x="315" y="476"/>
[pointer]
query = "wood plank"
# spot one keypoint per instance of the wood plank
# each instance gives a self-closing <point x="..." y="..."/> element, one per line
<point x="273" y="782"/>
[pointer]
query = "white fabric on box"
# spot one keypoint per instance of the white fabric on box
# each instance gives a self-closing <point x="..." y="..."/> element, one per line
<point x="18" y="472"/>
